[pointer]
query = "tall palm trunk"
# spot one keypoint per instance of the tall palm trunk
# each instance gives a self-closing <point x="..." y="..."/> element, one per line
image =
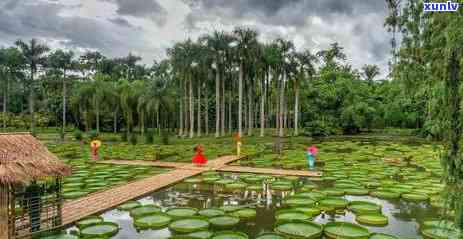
<point x="199" y="111"/>
<point x="180" y="132"/>
<point x="296" y="108"/>
<point x="115" y="120"/>
<point x="190" y="100"/>
<point x="206" y="104"/>
<point x="5" y="100"/>
<point x="222" y="109"/>
<point x="281" y="110"/>
<point x="217" y="102"/>
<point x="63" y="130"/>
<point x="262" y="104"/>
<point x="230" y="112"/>
<point x="250" y="114"/>
<point x="240" y="99"/>
<point x="31" y="101"/>
<point x="97" y="111"/>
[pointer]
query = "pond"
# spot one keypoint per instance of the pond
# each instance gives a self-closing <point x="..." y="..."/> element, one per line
<point x="368" y="190"/>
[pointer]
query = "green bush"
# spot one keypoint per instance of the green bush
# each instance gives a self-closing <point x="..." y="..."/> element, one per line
<point x="133" y="139"/>
<point x="165" y="136"/>
<point x="319" y="128"/>
<point x="78" y="135"/>
<point x="124" y="137"/>
<point x="149" y="137"/>
<point x="92" y="135"/>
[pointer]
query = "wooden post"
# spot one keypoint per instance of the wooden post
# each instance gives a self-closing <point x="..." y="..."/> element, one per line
<point x="5" y="232"/>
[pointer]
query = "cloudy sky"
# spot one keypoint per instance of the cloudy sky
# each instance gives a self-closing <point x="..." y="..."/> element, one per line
<point x="148" y="27"/>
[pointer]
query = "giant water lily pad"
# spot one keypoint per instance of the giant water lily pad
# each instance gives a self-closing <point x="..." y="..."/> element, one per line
<point x="382" y="236"/>
<point x="144" y="210"/>
<point x="441" y="233"/>
<point x="415" y="197"/>
<point x="224" y="221"/>
<point x="129" y="206"/>
<point x="74" y="194"/>
<point x="298" y="202"/>
<point x="60" y="236"/>
<point x="245" y="213"/>
<point x="372" y="219"/>
<point x="230" y="235"/>
<point x="362" y="207"/>
<point x="201" y="234"/>
<point x="211" y="212"/>
<point x="290" y="215"/>
<point x="181" y="212"/>
<point x="337" y="203"/>
<point x="300" y="230"/>
<point x="88" y="222"/>
<point x="270" y="235"/>
<point x="345" y="230"/>
<point x="188" y="225"/>
<point x="101" y="230"/>
<point x="311" y="211"/>
<point x="152" y="221"/>
<point x="385" y="194"/>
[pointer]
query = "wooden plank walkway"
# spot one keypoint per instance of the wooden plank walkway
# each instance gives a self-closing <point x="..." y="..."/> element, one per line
<point x="101" y="201"/>
<point x="240" y="169"/>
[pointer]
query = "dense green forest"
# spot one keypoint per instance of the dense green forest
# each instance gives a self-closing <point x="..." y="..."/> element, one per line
<point x="230" y="81"/>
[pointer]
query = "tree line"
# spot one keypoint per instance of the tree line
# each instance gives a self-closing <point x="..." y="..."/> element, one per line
<point x="220" y="83"/>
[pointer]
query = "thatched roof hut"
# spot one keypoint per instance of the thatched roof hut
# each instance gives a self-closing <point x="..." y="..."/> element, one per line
<point x="23" y="159"/>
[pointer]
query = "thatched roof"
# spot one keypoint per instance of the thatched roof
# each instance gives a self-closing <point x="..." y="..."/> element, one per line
<point x="23" y="159"/>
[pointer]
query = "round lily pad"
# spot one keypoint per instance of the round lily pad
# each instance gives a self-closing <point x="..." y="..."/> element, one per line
<point x="414" y="197"/>
<point x="224" y="221"/>
<point x="382" y="236"/>
<point x="345" y="230"/>
<point x="60" y="236"/>
<point x="144" y="211"/>
<point x="230" y="208"/>
<point x="441" y="233"/>
<point x="372" y="219"/>
<point x="181" y="212"/>
<point x="211" y="212"/>
<point x="300" y="230"/>
<point x="152" y="221"/>
<point x="356" y="191"/>
<point x="245" y="213"/>
<point x="311" y="211"/>
<point x="201" y="234"/>
<point x="298" y="202"/>
<point x="129" y="206"/>
<point x="362" y="207"/>
<point x="385" y="194"/>
<point x="74" y="194"/>
<point x="291" y="215"/>
<point x="188" y="225"/>
<point x="270" y="235"/>
<point x="88" y="222"/>
<point x="337" y="203"/>
<point x="103" y="230"/>
<point x="230" y="235"/>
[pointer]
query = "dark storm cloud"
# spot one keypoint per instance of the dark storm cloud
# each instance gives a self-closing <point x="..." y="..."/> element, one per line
<point x="120" y="22"/>
<point x="142" y="8"/>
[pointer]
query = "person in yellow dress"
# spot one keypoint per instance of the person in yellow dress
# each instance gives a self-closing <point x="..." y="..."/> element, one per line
<point x="95" y="145"/>
<point x="238" y="144"/>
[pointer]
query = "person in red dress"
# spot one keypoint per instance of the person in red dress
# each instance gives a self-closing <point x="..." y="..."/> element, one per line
<point x="199" y="159"/>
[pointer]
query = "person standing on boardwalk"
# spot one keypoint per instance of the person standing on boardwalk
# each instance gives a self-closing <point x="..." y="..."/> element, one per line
<point x="238" y="144"/>
<point x="311" y="153"/>
<point x="199" y="159"/>
<point x="95" y="145"/>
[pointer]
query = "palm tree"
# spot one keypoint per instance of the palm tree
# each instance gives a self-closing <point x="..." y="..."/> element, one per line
<point x="306" y="64"/>
<point x="63" y="61"/>
<point x="34" y="55"/>
<point x="370" y="72"/>
<point x="246" y="42"/>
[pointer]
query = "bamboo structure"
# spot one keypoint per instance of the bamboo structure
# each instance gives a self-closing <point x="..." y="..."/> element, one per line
<point x="24" y="161"/>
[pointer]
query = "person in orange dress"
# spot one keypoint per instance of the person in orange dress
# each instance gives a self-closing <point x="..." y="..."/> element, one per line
<point x="238" y="144"/>
<point x="199" y="159"/>
<point x="95" y="145"/>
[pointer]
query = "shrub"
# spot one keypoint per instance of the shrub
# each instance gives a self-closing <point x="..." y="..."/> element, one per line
<point x="165" y="136"/>
<point x="78" y="135"/>
<point x="319" y="128"/>
<point x="133" y="139"/>
<point x="124" y="137"/>
<point x="149" y="137"/>
<point x="93" y="134"/>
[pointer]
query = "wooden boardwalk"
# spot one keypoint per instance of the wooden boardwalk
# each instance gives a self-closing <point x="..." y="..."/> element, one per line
<point x="103" y="200"/>
<point x="240" y="169"/>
